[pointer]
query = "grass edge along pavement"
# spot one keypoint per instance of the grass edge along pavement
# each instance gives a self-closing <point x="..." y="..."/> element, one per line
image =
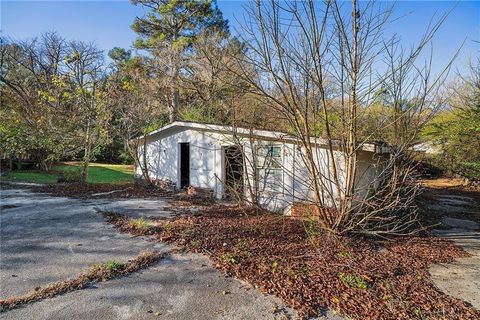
<point x="96" y="273"/>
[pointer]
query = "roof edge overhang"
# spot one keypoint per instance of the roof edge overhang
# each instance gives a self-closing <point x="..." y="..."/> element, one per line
<point x="374" y="147"/>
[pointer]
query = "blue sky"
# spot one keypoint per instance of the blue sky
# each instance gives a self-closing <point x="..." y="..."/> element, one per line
<point x="107" y="23"/>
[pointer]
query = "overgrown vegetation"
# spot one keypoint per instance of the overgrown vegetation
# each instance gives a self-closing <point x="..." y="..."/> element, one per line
<point x="454" y="133"/>
<point x="141" y="224"/>
<point x="356" y="276"/>
<point x="136" y="227"/>
<point x="327" y="73"/>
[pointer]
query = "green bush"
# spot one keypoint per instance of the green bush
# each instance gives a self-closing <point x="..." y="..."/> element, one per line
<point x="125" y="157"/>
<point x="469" y="170"/>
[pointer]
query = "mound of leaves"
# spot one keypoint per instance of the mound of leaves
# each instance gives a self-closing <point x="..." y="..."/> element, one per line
<point x="87" y="190"/>
<point x="97" y="273"/>
<point x="311" y="270"/>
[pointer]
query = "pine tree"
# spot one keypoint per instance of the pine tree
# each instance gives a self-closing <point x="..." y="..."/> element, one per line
<point x="168" y="31"/>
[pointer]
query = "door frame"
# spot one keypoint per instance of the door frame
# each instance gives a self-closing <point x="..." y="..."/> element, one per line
<point x="179" y="164"/>
<point x="224" y="169"/>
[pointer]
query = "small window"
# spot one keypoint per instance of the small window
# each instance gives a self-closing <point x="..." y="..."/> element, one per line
<point x="269" y="168"/>
<point x="269" y="157"/>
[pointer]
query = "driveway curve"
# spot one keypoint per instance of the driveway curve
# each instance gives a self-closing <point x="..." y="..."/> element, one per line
<point x="46" y="239"/>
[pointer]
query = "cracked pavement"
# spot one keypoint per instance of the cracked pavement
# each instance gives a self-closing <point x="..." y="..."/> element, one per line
<point x="46" y="239"/>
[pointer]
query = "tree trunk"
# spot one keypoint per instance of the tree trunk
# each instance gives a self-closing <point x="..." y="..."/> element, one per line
<point x="175" y="104"/>
<point x="175" y="92"/>
<point x="86" y="155"/>
<point x="145" y="161"/>
<point x="85" y="171"/>
<point x="351" y="161"/>
<point x="143" y="165"/>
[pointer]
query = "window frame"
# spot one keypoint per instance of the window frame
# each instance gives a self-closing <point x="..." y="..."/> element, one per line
<point x="266" y="171"/>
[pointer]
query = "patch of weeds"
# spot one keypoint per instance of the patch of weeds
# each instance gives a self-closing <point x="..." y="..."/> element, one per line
<point x="194" y="243"/>
<point x="312" y="229"/>
<point x="168" y="226"/>
<point x="114" y="266"/>
<point x="229" y="258"/>
<point x="418" y="313"/>
<point x="352" y="280"/>
<point x="274" y="266"/>
<point x="136" y="227"/>
<point x="140" y="224"/>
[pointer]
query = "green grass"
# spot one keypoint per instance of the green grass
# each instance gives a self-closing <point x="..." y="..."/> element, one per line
<point x="98" y="173"/>
<point x="102" y="173"/>
<point x="31" y="176"/>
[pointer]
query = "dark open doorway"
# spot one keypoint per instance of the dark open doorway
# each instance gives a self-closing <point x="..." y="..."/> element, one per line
<point x="184" y="165"/>
<point x="233" y="172"/>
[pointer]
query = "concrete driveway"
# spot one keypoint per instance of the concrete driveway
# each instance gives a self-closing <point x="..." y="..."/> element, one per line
<point x="461" y="278"/>
<point x="46" y="239"/>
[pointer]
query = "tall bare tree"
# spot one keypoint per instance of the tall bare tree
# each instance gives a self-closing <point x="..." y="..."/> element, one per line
<point x="320" y="65"/>
<point x="32" y="72"/>
<point x="87" y="78"/>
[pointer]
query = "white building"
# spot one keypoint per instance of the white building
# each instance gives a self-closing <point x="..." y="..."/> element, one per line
<point x="223" y="159"/>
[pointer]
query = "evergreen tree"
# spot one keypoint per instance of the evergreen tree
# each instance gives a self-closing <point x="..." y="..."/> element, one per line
<point x="168" y="32"/>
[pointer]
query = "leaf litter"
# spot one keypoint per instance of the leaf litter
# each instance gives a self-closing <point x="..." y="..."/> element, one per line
<point x="356" y="276"/>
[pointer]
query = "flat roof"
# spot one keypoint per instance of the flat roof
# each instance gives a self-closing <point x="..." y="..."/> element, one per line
<point x="377" y="147"/>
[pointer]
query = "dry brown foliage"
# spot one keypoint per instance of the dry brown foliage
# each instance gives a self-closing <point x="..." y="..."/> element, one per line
<point x="312" y="270"/>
